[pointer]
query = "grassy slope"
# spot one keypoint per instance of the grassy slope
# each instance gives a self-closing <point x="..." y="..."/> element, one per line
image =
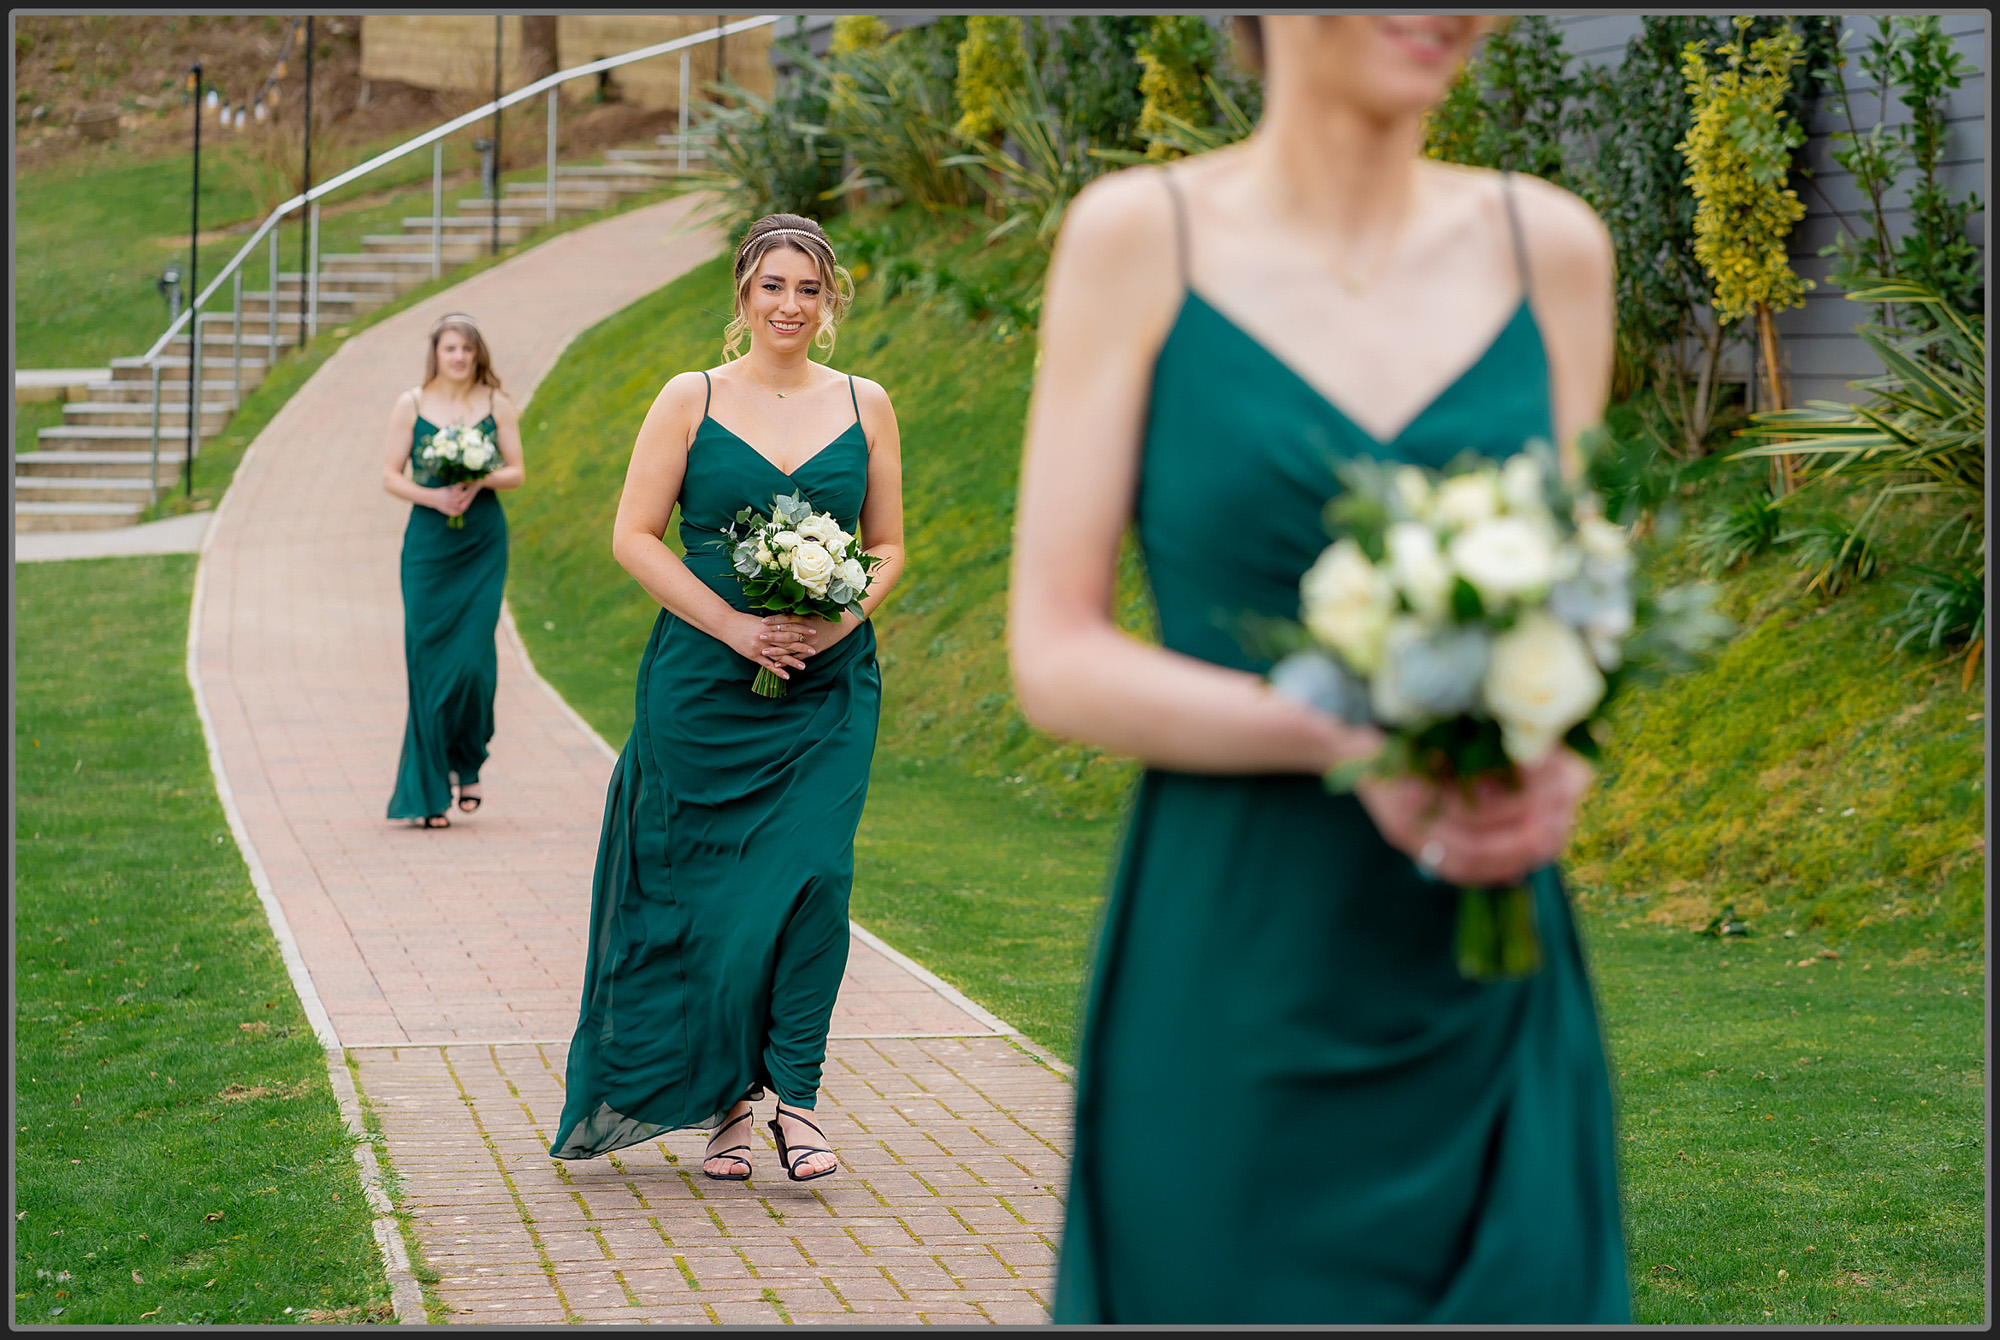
<point x="179" y="1155"/>
<point x="1875" y="1163"/>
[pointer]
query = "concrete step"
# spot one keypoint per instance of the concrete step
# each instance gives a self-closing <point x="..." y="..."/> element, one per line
<point x="132" y="391"/>
<point x="392" y="266"/>
<point x="458" y="247"/>
<point x="67" y="489"/>
<point x="218" y="345"/>
<point x="630" y="176"/>
<point x="173" y="368"/>
<point x="139" y="414"/>
<point x="370" y="287"/>
<point x="43" y="515"/>
<point x="291" y="302"/>
<point x="668" y="154"/>
<point x="99" y="464"/>
<point x="69" y="437"/>
<point x="421" y="227"/>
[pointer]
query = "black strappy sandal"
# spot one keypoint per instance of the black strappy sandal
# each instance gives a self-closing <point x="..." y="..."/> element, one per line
<point x="792" y="1156"/>
<point x="463" y="798"/>
<point x="431" y="821"/>
<point x="729" y="1153"/>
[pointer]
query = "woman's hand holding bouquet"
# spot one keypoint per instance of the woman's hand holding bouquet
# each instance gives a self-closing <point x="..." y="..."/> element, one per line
<point x="1482" y="619"/>
<point x="796" y="562"/>
<point x="458" y="457"/>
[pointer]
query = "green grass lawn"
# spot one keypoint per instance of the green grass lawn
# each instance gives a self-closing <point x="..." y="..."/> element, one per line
<point x="984" y="848"/>
<point x="179" y="1157"/>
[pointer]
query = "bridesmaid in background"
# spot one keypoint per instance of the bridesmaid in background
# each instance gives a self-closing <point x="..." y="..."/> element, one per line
<point x="1290" y="1106"/>
<point x="718" y="914"/>
<point x="452" y="578"/>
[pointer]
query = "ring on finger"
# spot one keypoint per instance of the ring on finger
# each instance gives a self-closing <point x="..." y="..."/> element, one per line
<point x="1429" y="857"/>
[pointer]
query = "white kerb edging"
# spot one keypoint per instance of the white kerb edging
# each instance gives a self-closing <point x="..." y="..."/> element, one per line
<point x="405" y="1295"/>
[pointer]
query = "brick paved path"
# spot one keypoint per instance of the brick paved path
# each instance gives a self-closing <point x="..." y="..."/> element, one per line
<point x="449" y="964"/>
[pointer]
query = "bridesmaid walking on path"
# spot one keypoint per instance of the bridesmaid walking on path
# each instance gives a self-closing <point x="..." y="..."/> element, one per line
<point x="1410" y="1147"/>
<point x="452" y="576"/>
<point x="718" y="920"/>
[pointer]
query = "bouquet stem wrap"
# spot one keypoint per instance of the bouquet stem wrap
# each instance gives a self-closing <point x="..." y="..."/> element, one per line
<point x="767" y="685"/>
<point x="1497" y="940"/>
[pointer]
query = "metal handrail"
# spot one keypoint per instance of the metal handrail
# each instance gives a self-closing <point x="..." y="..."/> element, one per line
<point x="428" y="137"/>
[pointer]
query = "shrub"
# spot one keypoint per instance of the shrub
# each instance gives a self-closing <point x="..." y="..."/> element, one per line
<point x="991" y="62"/>
<point x="894" y="117"/>
<point x="1050" y="164"/>
<point x="1176" y="55"/>
<point x="1092" y="70"/>
<point x="1831" y="551"/>
<point x="1734" y="532"/>
<point x="768" y="156"/>
<point x="1739" y="153"/>
<point x="1912" y="60"/>
<point x="1923" y="430"/>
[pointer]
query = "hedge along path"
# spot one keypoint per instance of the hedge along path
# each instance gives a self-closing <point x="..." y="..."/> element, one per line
<point x="442" y="970"/>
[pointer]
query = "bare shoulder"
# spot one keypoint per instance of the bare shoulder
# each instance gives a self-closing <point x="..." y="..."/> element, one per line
<point x="405" y="408"/>
<point x="1120" y="218"/>
<point x="871" y="396"/>
<point x="1114" y="275"/>
<point x="1567" y="243"/>
<point x="683" y="391"/>
<point x="504" y="407"/>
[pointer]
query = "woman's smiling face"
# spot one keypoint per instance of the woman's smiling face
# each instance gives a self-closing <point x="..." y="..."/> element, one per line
<point x="784" y="300"/>
<point x="1382" y="65"/>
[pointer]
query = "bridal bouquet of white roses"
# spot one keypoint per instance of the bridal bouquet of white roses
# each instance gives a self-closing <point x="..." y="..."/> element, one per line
<point x="796" y="561"/>
<point x="1480" y="616"/>
<point x="458" y="455"/>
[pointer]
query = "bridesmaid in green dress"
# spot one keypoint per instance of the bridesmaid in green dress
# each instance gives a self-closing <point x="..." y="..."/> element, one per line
<point x="718" y="918"/>
<point x="1290" y="1106"/>
<point x="452" y="575"/>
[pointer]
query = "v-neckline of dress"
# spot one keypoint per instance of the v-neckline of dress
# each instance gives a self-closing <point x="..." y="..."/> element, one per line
<point x="423" y="418"/>
<point x="1521" y="310"/>
<point x="791" y="474"/>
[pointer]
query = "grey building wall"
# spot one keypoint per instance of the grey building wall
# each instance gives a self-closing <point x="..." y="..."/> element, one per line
<point x="1819" y="343"/>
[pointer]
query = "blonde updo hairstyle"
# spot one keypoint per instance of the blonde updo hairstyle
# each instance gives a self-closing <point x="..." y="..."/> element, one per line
<point x="800" y="234"/>
<point x="482" y="358"/>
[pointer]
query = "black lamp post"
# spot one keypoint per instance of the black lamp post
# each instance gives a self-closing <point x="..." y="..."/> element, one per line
<point x="194" y="291"/>
<point x="494" y="189"/>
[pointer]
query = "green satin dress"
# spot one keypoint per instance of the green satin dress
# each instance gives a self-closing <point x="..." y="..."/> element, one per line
<point x="452" y="583"/>
<point x="1291" y="1108"/>
<point x="718" y="912"/>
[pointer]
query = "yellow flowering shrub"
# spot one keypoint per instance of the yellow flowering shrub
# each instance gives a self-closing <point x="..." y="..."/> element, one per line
<point x="1738" y="153"/>
<point x="857" y="32"/>
<point x="1176" y="53"/>
<point x="991" y="64"/>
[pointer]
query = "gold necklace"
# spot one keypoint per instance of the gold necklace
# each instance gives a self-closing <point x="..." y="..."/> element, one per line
<point x="1356" y="286"/>
<point x="775" y="391"/>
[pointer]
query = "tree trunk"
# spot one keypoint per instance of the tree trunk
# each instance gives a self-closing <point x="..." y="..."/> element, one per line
<point x="1782" y="467"/>
<point x="538" y="45"/>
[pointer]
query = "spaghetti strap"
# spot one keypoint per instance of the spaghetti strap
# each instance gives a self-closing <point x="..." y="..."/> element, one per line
<point x="1180" y="227"/>
<point x="851" y="396"/>
<point x="1514" y="231"/>
<point x="707" y="392"/>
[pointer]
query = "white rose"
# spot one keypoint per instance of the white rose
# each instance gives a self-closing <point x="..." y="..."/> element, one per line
<point x="850" y="571"/>
<point x="822" y="528"/>
<point x="1505" y="557"/>
<point x="812" y="565"/>
<point x="477" y="456"/>
<point x="1540" y="681"/>
<point x="1347" y="602"/>
<point x="764" y="556"/>
<point x="1413" y="490"/>
<point x="1522" y="485"/>
<point x="1467" y="500"/>
<point x="785" y="539"/>
<point x="1419" y="570"/>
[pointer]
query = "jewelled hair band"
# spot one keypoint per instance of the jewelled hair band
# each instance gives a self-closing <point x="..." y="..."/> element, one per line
<point x="449" y="317"/>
